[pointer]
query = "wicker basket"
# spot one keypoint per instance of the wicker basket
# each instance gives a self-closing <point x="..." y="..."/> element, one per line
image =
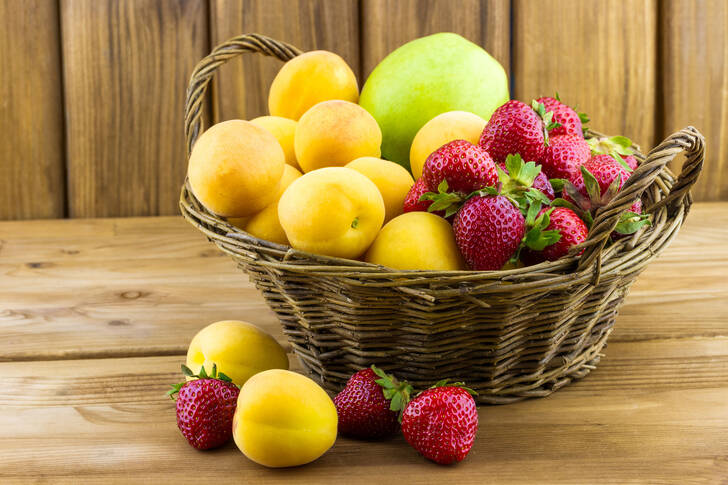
<point x="509" y="334"/>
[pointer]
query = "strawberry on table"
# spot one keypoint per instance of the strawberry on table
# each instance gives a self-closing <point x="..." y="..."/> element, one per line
<point x="564" y="156"/>
<point x="441" y="423"/>
<point x="369" y="405"/>
<point x="516" y="127"/>
<point x="205" y="408"/>
<point x="570" y="122"/>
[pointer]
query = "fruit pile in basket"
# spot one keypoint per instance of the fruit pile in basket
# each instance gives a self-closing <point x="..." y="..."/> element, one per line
<point x="409" y="174"/>
<point x="238" y="386"/>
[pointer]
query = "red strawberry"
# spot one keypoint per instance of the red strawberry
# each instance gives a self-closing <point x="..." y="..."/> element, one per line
<point x="564" y="156"/>
<point x="464" y="166"/>
<point x="605" y="169"/>
<point x="441" y="423"/>
<point x="205" y="408"/>
<point x="412" y="202"/>
<point x="540" y="183"/>
<point x="363" y="407"/>
<point x="488" y="231"/>
<point x="631" y="161"/>
<point x="572" y="229"/>
<point x="568" y="119"/>
<point x="516" y="127"/>
<point x="618" y="147"/>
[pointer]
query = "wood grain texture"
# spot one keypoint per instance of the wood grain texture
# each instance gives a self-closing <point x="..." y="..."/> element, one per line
<point x="31" y="111"/>
<point x="648" y="414"/>
<point x="599" y="55"/>
<point x="387" y="24"/>
<point x="240" y="89"/>
<point x="126" y="66"/>
<point x="694" y="46"/>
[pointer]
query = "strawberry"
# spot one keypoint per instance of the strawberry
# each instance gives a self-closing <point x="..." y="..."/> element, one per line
<point x="441" y="423"/>
<point x="569" y="225"/>
<point x="369" y="404"/>
<point x="618" y="147"/>
<point x="488" y="230"/>
<point x="413" y="203"/>
<point x="600" y="179"/>
<point x="540" y="182"/>
<point x="464" y="166"/>
<point x="205" y="408"/>
<point x="564" y="156"/>
<point x="570" y="122"/>
<point x="516" y="127"/>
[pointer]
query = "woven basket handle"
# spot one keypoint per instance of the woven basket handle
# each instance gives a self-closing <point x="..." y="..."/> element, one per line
<point x="689" y="140"/>
<point x="204" y="70"/>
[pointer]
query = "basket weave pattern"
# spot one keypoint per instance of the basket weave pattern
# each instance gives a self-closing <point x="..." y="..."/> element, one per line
<point x="509" y="335"/>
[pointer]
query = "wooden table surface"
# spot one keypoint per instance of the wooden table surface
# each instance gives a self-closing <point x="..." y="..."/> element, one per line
<point x="95" y="317"/>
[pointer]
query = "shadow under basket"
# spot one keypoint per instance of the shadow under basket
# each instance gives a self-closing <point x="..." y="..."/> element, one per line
<point x="509" y="335"/>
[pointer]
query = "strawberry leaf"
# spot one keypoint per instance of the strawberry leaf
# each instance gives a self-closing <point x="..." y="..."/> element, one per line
<point x="396" y="392"/>
<point x="557" y="184"/>
<point x="618" y="158"/>
<point x="187" y="371"/>
<point x="630" y="222"/>
<point x="592" y="186"/>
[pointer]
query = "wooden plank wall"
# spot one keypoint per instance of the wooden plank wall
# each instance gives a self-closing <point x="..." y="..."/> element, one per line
<point x="92" y="90"/>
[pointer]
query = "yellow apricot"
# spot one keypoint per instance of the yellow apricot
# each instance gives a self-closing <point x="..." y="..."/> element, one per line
<point x="235" y="168"/>
<point x="265" y="224"/>
<point x="284" y="130"/>
<point x="239" y="349"/>
<point x="335" y="211"/>
<point x="333" y="133"/>
<point x="416" y="240"/>
<point x="392" y="180"/>
<point x="309" y="79"/>
<point x="283" y="419"/>
<point x="443" y="128"/>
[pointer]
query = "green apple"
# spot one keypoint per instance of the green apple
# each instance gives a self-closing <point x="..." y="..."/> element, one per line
<point x="427" y="77"/>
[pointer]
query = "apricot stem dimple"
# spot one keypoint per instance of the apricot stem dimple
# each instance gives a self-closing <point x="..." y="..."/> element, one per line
<point x="355" y="223"/>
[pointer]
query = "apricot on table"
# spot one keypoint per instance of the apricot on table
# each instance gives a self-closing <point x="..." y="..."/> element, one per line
<point x="333" y="133"/>
<point x="284" y="419"/>
<point x="265" y="224"/>
<point x="416" y="241"/>
<point x="334" y="211"/>
<point x="392" y="180"/>
<point x="239" y="349"/>
<point x="443" y="128"/>
<point x="235" y="168"/>
<point x="284" y="130"/>
<point x="309" y="79"/>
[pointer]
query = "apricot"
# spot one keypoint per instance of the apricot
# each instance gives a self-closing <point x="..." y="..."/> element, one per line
<point x="443" y="128"/>
<point x="283" y="419"/>
<point x="392" y="180"/>
<point x="240" y="350"/>
<point x="284" y="130"/>
<point x="416" y="241"/>
<point x="335" y="211"/>
<point x="235" y="168"/>
<point x="265" y="224"/>
<point x="309" y="79"/>
<point x="333" y="133"/>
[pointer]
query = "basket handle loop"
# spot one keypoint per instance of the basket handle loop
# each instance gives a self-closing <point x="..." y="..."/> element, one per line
<point x="689" y="140"/>
<point x="204" y="70"/>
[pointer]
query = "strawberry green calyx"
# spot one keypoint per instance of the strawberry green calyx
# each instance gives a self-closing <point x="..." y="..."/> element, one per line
<point x="214" y="374"/>
<point x="631" y="222"/>
<point x="447" y="383"/>
<point x="614" y="146"/>
<point x="516" y="183"/>
<point x="594" y="198"/>
<point x="537" y="237"/>
<point x="397" y="392"/>
<point x="451" y="202"/>
<point x="547" y="117"/>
